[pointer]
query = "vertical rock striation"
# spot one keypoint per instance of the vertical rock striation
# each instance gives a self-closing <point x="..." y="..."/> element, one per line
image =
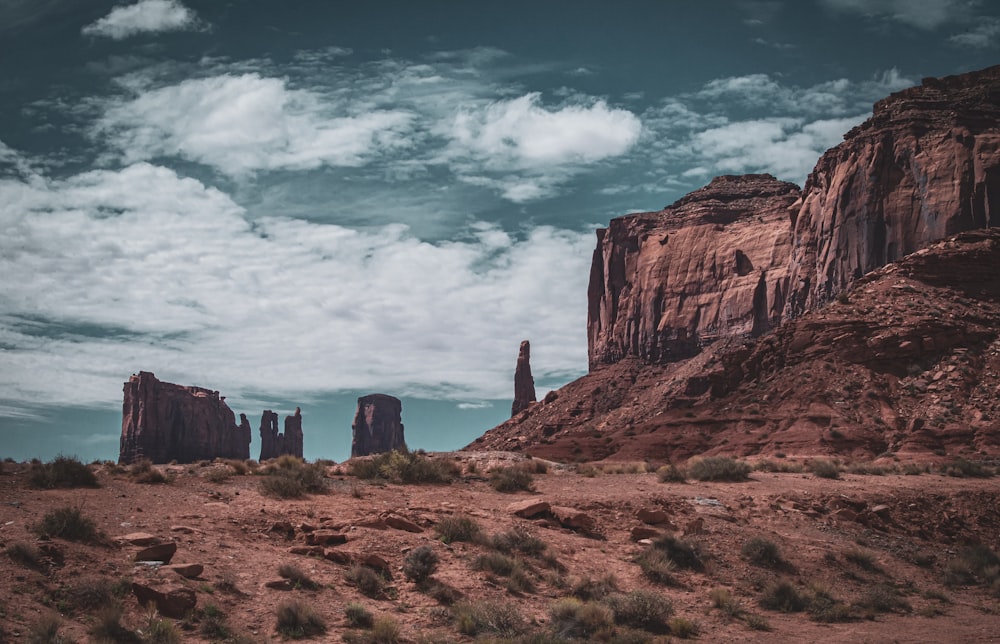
<point x="165" y="422"/>
<point x="378" y="425"/>
<point x="524" y="384"/>
<point x="272" y="443"/>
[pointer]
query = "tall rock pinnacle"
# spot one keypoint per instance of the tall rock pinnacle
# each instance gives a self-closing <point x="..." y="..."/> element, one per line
<point x="272" y="443"/>
<point x="378" y="425"/>
<point x="524" y="384"/>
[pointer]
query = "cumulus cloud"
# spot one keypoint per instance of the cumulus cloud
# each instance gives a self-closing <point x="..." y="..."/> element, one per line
<point x="145" y="16"/>
<point x="243" y="123"/>
<point x="110" y="271"/>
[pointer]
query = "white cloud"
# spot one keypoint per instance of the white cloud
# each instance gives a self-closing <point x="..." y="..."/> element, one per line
<point x="923" y="14"/>
<point x="145" y="16"/>
<point x="108" y="272"/>
<point x="243" y="123"/>
<point x="981" y="36"/>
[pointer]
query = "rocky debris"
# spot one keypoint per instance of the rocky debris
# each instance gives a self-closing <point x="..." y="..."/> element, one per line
<point x="325" y="538"/>
<point x="280" y="584"/>
<point x="641" y="533"/>
<point x="189" y="571"/>
<point x="163" y="552"/>
<point x="713" y="264"/>
<point x="274" y="444"/>
<point x="377" y="426"/>
<point x="529" y="508"/>
<point x="524" y="383"/>
<point x="399" y="523"/>
<point x="165" y="422"/>
<point x="171" y="600"/>
<point x="139" y="539"/>
<point x="655" y="517"/>
<point x="308" y="551"/>
<point x="574" y="520"/>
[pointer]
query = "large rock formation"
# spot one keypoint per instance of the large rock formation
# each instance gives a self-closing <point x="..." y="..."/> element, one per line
<point x="274" y="444"/>
<point x="378" y="425"/>
<point x="165" y="422"/>
<point x="713" y="264"/>
<point x="524" y="384"/>
<point x="926" y="165"/>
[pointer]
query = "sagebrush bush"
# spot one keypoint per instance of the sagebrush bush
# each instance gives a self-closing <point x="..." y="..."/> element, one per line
<point x="862" y="559"/>
<point x="46" y="630"/>
<point x="683" y="553"/>
<point x="822" y="606"/>
<point x="718" y="468"/>
<point x="782" y="595"/>
<point x="420" y="563"/>
<point x="683" y="627"/>
<point x="518" y="539"/>
<point x="494" y="617"/>
<point x="974" y="565"/>
<point x="457" y="527"/>
<point x="671" y="474"/>
<point x="67" y="523"/>
<point x="405" y="468"/>
<point x="824" y="469"/>
<point x="297" y="620"/>
<point x="572" y="618"/>
<point x="656" y="566"/>
<point x="594" y="589"/>
<point x="295" y="575"/>
<point x="358" y="616"/>
<point x="725" y="602"/>
<point x="212" y="623"/>
<point x="643" y="609"/>
<point x="385" y="630"/>
<point x="762" y="552"/>
<point x="883" y="598"/>
<point x="288" y="477"/>
<point x="62" y="472"/>
<point x="369" y="582"/>
<point x="511" y="479"/>
<point x="962" y="468"/>
<point x="144" y="472"/>
<point x="25" y="554"/>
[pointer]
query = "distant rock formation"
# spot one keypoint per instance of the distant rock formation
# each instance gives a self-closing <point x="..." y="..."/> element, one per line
<point x="165" y="422"/>
<point x="274" y="444"/>
<point x="378" y="425"/>
<point x="713" y="264"/>
<point x="524" y="384"/>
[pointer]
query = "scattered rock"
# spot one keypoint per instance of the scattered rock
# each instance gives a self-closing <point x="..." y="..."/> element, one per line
<point x="139" y="539"/>
<point x="695" y="526"/>
<point x="189" y="571"/>
<point x="309" y="551"/>
<point x="279" y="584"/>
<point x="170" y="600"/>
<point x="325" y="538"/>
<point x="160" y="552"/>
<point x="641" y="532"/>
<point x="574" y="519"/>
<point x="399" y="523"/>
<point x="653" y="517"/>
<point x="529" y="508"/>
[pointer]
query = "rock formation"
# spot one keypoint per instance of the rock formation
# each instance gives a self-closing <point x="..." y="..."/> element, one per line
<point x="378" y="425"/>
<point x="926" y="165"/>
<point x="274" y="444"/>
<point x="524" y="384"/>
<point x="715" y="263"/>
<point x="165" y="422"/>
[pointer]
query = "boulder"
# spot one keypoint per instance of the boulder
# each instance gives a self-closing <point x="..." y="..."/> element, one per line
<point x="325" y="538"/>
<point x="524" y="383"/>
<point x="161" y="552"/>
<point x="399" y="523"/>
<point x="529" y="508"/>
<point x="652" y="516"/>
<point x="574" y="519"/>
<point x="170" y="600"/>
<point x="377" y="426"/>
<point x="189" y="571"/>
<point x="139" y="539"/>
<point x="640" y="533"/>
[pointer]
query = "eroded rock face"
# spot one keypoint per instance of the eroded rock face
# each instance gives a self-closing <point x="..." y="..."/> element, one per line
<point x="713" y="264"/>
<point x="378" y="425"/>
<point x="165" y="422"/>
<point x="524" y="384"/>
<point x="926" y="165"/>
<point x="272" y="443"/>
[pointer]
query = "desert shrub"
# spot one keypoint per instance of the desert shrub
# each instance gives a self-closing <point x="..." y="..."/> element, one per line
<point x="913" y="469"/>
<point x="757" y="622"/>
<point x="671" y="474"/>
<point x="782" y="596"/>
<point x="824" y="469"/>
<point x="862" y="559"/>
<point x="87" y="594"/>
<point x="458" y="527"/>
<point x="643" y="609"/>
<point x="405" y="467"/>
<point x="868" y="469"/>
<point x="962" y="468"/>
<point x="824" y="607"/>
<point x="295" y="575"/>
<point x="683" y="627"/>
<point x="25" y="554"/>
<point x="144" y="472"/>
<point x="683" y="553"/>
<point x="571" y="617"/>
<point x="420" y="563"/>
<point x="159" y="630"/>
<point x="67" y="523"/>
<point x="240" y="468"/>
<point x="358" y="616"/>
<point x="385" y="630"/>
<point x="297" y="620"/>
<point x="787" y="467"/>
<point x="589" y="589"/>
<point x="226" y="582"/>
<point x="212" y="623"/>
<point x="288" y="477"/>
<point x="762" y="552"/>
<point x="46" y="630"/>
<point x="499" y="618"/>
<point x="974" y="564"/>
<point x="725" y="602"/>
<point x="883" y="598"/>
<point x="369" y="582"/>
<point x="440" y="592"/>
<point x="61" y="472"/>
<point x="107" y="626"/>
<point x="518" y="539"/>
<point x="656" y="566"/>
<point x="718" y="468"/>
<point x="501" y="565"/>
<point x="218" y="475"/>
<point x="511" y="479"/>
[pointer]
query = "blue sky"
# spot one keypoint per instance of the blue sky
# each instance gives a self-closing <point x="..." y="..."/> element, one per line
<point x="297" y="203"/>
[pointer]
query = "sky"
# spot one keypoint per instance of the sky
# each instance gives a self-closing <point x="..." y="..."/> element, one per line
<point x="299" y="203"/>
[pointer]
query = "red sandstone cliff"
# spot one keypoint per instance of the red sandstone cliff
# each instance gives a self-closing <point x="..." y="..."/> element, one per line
<point x="165" y="422"/>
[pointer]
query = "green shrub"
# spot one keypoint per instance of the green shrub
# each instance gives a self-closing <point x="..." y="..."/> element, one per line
<point x="369" y="582"/>
<point x="385" y="630"/>
<point x="589" y="589"/>
<point x="962" y="468"/>
<point x="88" y="594"/>
<point x="496" y="563"/>
<point x="862" y="559"/>
<point x="499" y="618"/>
<point x="67" y="523"/>
<point x="420" y="563"/>
<point x="782" y="596"/>
<point x="762" y="552"/>
<point x="518" y="539"/>
<point x="288" y="477"/>
<point x="571" y="618"/>
<point x="160" y="631"/>
<point x="458" y="527"/>
<point x="725" y="602"/>
<point x="757" y="622"/>
<point x="25" y="554"/>
<point x="824" y="469"/>
<point x="358" y="616"/>
<point x="671" y="474"/>
<point x="62" y="472"/>
<point x="824" y="607"/>
<point x="511" y="479"/>
<point x="297" y="620"/>
<point x="883" y="598"/>
<point x="656" y="566"/>
<point x="405" y="467"/>
<point x="295" y="575"/>
<point x="718" y="468"/>
<point x="144" y="472"/>
<point x="212" y="623"/>
<point x="683" y="627"/>
<point x="974" y="565"/>
<point x="683" y="553"/>
<point x="107" y="626"/>
<point x="46" y="630"/>
<point x="787" y="467"/>
<point x="643" y="609"/>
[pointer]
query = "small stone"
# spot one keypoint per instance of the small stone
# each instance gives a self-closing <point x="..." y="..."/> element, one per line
<point x="325" y="538"/>
<point x="652" y="517"/>
<point x="529" y="508"/>
<point x="279" y="584"/>
<point x="186" y="570"/>
<point x="339" y="557"/>
<point x="140" y="539"/>
<point x="399" y="523"/>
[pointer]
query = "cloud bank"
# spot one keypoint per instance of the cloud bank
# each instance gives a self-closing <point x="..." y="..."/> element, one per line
<point x="145" y="16"/>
